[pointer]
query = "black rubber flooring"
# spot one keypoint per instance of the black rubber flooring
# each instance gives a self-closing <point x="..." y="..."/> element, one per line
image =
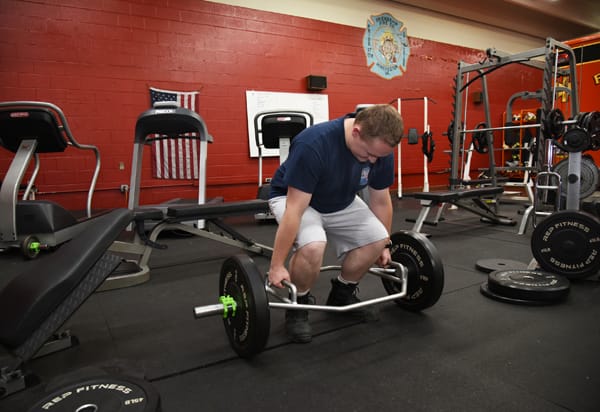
<point x="466" y="353"/>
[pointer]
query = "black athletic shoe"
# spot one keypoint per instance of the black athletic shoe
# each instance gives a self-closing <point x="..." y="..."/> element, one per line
<point x="297" y="327"/>
<point x="344" y="295"/>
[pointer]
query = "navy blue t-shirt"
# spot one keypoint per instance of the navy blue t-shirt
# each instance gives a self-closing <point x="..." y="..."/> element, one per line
<point x="320" y="163"/>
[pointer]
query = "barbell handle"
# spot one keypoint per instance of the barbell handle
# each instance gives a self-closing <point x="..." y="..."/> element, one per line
<point x="293" y="290"/>
<point x="390" y="271"/>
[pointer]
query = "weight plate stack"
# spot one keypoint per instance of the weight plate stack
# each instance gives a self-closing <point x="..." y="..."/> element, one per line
<point x="526" y="287"/>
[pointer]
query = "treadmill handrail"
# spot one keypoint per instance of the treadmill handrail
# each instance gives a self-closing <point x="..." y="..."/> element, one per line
<point x="170" y="122"/>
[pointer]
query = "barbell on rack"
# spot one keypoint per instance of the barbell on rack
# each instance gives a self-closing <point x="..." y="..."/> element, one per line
<point x="514" y="126"/>
<point x="572" y="135"/>
<point x="414" y="282"/>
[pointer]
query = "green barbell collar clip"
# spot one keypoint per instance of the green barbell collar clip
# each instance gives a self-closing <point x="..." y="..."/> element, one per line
<point x="228" y="302"/>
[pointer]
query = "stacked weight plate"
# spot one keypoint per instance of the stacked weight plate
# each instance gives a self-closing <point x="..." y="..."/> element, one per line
<point x="525" y="286"/>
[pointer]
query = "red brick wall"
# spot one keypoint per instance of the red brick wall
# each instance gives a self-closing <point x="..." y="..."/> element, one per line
<point x="96" y="61"/>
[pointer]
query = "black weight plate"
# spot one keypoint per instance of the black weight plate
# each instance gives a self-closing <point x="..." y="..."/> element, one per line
<point x="553" y="124"/>
<point x="590" y="176"/>
<point x="490" y="265"/>
<point x="576" y="139"/>
<point x="425" y="270"/>
<point x="568" y="243"/>
<point x="588" y="179"/>
<point x="27" y="248"/>
<point x="484" y="289"/>
<point x="248" y="330"/>
<point x="528" y="285"/>
<point x="104" y="393"/>
<point x="580" y="118"/>
<point x="593" y="125"/>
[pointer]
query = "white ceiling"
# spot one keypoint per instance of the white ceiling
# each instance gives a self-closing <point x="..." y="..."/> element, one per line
<point x="559" y="19"/>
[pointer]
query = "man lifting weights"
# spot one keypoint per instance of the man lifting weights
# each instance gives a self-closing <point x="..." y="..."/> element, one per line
<point x="314" y="199"/>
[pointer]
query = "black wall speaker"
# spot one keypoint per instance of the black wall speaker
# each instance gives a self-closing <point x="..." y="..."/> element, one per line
<point x="316" y="82"/>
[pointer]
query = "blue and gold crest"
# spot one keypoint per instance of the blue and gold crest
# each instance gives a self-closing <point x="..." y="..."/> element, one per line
<point x="386" y="46"/>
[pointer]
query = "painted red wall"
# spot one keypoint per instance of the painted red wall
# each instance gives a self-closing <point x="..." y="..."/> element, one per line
<point x="96" y="60"/>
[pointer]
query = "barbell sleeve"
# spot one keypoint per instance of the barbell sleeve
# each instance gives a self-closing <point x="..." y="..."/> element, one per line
<point x="227" y="307"/>
<point x="208" y="310"/>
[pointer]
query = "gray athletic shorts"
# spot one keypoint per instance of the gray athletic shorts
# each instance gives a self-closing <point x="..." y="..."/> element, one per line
<point x="347" y="229"/>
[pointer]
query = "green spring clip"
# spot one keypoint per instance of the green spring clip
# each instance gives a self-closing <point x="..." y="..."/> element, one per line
<point x="228" y="303"/>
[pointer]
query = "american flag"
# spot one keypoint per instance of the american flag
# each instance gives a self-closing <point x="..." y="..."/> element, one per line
<point x="175" y="158"/>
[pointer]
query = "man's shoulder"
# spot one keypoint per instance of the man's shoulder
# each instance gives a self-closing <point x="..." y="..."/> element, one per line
<point x="320" y="130"/>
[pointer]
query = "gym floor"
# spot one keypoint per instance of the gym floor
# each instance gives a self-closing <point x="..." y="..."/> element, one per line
<point x="466" y="353"/>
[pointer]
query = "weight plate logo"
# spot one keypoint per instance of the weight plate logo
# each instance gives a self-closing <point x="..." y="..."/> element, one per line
<point x="386" y="46"/>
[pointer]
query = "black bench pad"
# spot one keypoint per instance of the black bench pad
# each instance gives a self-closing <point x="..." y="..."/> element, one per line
<point x="456" y="195"/>
<point x="209" y="211"/>
<point x="29" y="298"/>
<point x="141" y="214"/>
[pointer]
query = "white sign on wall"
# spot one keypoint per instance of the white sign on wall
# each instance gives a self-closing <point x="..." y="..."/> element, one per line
<point x="258" y="102"/>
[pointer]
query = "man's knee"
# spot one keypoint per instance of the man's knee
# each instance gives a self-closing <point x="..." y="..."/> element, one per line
<point x="312" y="252"/>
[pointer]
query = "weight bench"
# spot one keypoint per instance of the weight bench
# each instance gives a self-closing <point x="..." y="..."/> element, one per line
<point x="136" y="270"/>
<point x="469" y="199"/>
<point x="37" y="302"/>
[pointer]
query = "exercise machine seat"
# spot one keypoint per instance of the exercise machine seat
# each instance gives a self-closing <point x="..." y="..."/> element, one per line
<point x="29" y="298"/>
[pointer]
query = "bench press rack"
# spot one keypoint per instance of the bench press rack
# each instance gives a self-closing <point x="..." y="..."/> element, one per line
<point x="470" y="200"/>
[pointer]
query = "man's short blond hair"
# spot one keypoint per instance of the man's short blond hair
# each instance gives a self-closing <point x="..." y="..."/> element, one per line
<point x="380" y="121"/>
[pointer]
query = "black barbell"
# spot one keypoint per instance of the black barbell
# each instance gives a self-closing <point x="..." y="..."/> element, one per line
<point x="570" y="135"/>
<point x="415" y="282"/>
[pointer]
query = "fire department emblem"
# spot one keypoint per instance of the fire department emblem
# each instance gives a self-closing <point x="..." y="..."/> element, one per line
<point x="386" y="46"/>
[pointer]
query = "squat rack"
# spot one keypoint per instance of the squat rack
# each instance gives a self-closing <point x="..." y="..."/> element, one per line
<point x="495" y="60"/>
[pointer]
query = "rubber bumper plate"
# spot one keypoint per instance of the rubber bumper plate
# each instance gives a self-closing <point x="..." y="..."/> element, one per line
<point x="104" y="393"/>
<point x="526" y="287"/>
<point x="491" y="265"/>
